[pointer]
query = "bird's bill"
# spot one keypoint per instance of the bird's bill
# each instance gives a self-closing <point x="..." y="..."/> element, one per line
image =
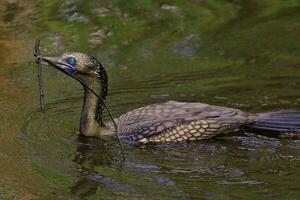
<point x="58" y="63"/>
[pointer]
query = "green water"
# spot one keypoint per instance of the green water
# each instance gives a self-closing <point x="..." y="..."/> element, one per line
<point x="237" y="53"/>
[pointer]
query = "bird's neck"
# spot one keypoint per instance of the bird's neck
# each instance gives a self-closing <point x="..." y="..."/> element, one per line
<point x="91" y="123"/>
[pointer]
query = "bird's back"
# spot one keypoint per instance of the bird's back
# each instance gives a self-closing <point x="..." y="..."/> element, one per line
<point x="177" y="121"/>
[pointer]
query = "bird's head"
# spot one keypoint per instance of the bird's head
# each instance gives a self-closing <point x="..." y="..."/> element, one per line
<point x="80" y="66"/>
<point x="76" y="64"/>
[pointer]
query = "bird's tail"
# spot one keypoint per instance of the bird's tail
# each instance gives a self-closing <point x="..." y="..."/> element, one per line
<point x="284" y="121"/>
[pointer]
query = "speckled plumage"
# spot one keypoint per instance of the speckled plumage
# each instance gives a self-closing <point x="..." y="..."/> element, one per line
<point x="178" y="121"/>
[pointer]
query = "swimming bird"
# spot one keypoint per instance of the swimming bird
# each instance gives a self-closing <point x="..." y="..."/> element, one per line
<point x="166" y="122"/>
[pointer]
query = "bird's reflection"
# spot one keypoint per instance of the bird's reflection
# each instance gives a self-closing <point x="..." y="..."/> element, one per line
<point x="156" y="170"/>
<point x="149" y="166"/>
<point x="91" y="152"/>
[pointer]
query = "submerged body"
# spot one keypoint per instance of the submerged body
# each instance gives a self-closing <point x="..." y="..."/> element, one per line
<point x="179" y="121"/>
<point x="165" y="122"/>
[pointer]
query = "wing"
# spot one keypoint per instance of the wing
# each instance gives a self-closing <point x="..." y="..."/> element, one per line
<point x="158" y="122"/>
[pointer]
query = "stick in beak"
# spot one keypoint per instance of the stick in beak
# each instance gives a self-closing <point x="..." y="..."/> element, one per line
<point x="38" y="60"/>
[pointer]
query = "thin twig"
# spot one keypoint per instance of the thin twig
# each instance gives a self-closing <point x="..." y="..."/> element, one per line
<point x="41" y="84"/>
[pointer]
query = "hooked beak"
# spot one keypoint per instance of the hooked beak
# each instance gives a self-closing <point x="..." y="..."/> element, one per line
<point x="59" y="64"/>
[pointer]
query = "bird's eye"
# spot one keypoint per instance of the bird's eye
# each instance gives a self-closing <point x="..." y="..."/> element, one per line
<point x="71" y="61"/>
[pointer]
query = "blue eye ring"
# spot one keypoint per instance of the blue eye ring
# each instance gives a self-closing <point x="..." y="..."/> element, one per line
<point x="71" y="61"/>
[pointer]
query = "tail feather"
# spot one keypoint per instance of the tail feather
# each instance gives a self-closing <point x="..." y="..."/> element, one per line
<point x="280" y="121"/>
